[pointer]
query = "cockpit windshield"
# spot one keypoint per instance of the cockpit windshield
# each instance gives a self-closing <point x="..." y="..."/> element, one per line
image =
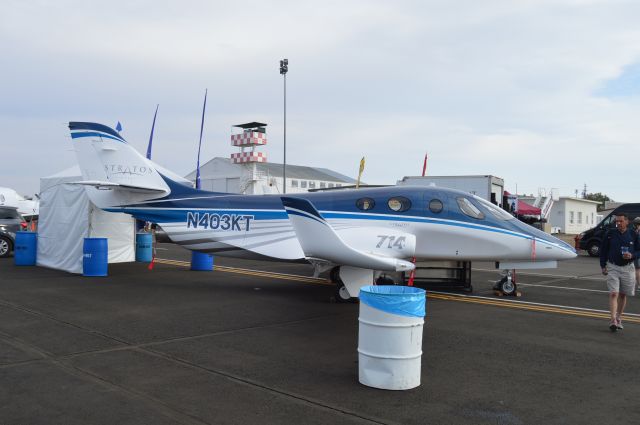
<point x="495" y="210"/>
<point x="468" y="209"/>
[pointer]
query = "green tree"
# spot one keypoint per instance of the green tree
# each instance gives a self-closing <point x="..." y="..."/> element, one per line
<point x="598" y="197"/>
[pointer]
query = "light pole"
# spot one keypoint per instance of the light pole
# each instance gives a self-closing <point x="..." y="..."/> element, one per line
<point x="284" y="67"/>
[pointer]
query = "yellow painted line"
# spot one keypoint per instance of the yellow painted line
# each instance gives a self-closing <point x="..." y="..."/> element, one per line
<point x="430" y="295"/>
<point x="530" y="307"/>
<point x="250" y="272"/>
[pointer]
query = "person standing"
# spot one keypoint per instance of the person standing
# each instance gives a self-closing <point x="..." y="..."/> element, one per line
<point x="620" y="246"/>
<point x="636" y="260"/>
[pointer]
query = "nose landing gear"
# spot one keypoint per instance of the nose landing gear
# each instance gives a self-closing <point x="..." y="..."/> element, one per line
<point x="507" y="285"/>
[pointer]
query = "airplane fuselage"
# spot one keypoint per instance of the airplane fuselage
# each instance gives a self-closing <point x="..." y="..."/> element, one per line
<point x="446" y="224"/>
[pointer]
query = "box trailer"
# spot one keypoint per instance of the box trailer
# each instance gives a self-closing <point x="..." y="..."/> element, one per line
<point x="487" y="187"/>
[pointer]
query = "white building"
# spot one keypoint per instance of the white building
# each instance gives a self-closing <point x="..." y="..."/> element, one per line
<point x="222" y="175"/>
<point x="573" y="215"/>
<point x="248" y="171"/>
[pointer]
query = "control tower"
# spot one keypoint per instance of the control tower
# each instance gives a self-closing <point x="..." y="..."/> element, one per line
<point x="252" y="135"/>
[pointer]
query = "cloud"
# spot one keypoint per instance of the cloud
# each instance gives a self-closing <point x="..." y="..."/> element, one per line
<point x="524" y="90"/>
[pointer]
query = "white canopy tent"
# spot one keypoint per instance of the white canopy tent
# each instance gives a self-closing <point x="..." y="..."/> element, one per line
<point x="67" y="216"/>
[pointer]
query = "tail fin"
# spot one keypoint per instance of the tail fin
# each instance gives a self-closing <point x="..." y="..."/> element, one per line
<point x="116" y="173"/>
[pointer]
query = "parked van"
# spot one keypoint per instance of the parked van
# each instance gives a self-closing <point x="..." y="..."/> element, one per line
<point x="591" y="239"/>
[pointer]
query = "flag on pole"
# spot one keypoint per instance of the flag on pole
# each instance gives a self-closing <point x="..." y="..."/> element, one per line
<point x="118" y="127"/>
<point x="424" y="166"/>
<point x="360" y="172"/>
<point x="204" y="107"/>
<point x="151" y="135"/>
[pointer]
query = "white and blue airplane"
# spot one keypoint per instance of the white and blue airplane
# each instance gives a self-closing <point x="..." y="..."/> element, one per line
<point x="357" y="234"/>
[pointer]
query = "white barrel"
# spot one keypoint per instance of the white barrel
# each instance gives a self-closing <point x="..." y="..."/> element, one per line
<point x="389" y="344"/>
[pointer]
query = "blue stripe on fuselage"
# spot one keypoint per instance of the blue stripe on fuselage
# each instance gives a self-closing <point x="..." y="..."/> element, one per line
<point x="158" y="215"/>
<point x="342" y="205"/>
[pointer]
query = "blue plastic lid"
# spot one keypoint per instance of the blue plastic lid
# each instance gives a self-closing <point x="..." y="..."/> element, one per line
<point x="401" y="300"/>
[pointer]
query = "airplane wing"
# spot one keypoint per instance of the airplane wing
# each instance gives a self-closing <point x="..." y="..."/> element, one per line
<point x="320" y="241"/>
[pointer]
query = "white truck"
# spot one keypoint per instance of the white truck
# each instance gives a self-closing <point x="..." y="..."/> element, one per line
<point x="487" y="187"/>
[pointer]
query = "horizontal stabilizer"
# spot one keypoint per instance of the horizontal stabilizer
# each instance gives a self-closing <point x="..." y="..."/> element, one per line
<point x="102" y="185"/>
<point x="320" y="241"/>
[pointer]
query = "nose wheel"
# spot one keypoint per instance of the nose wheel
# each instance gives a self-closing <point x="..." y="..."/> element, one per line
<point x="507" y="285"/>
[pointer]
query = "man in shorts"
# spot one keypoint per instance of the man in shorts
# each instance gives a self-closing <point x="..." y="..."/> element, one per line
<point x="620" y="246"/>
<point x="636" y="260"/>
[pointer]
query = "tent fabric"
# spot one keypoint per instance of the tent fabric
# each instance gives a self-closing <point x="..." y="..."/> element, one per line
<point x="62" y="227"/>
<point x="67" y="216"/>
<point x="526" y="209"/>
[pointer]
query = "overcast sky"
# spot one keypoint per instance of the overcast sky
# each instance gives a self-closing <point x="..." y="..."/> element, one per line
<point x="542" y="93"/>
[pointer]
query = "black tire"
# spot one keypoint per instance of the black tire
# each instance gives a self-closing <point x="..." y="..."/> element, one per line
<point x="507" y="287"/>
<point x="342" y="294"/>
<point x="593" y="249"/>
<point x="334" y="275"/>
<point x="6" y="246"/>
<point x="385" y="280"/>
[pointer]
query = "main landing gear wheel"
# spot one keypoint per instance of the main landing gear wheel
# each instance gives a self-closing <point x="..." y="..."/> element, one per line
<point x="340" y="292"/>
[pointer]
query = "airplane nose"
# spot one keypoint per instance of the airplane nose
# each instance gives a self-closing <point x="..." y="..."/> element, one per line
<point x="568" y="255"/>
<point x="566" y="251"/>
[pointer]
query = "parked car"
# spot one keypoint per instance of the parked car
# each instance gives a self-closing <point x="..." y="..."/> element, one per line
<point x="591" y="239"/>
<point x="10" y="222"/>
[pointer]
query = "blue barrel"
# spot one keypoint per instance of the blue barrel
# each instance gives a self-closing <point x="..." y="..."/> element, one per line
<point x="26" y="248"/>
<point x="201" y="261"/>
<point x="144" y="247"/>
<point x="95" y="257"/>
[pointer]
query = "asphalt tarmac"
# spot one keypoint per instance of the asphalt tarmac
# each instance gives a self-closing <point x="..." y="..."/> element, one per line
<point x="239" y="346"/>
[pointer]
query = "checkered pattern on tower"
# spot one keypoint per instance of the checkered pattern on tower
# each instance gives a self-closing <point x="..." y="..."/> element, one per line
<point x="242" y="157"/>
<point x="249" y="138"/>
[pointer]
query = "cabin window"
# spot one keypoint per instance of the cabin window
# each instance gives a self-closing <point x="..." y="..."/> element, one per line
<point x="469" y="209"/>
<point x="365" y="204"/>
<point x="399" y="203"/>
<point x="495" y="210"/>
<point x="435" y="206"/>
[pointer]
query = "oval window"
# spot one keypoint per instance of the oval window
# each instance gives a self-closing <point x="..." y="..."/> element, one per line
<point x="435" y="206"/>
<point x="399" y="203"/>
<point x="365" y="203"/>
<point x="469" y="209"/>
